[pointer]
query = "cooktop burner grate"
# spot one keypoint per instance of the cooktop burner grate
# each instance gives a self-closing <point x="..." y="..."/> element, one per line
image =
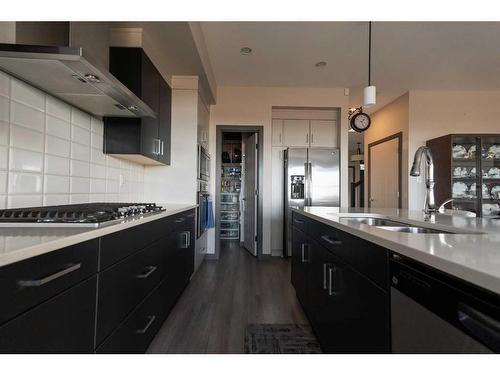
<point x="77" y="213"/>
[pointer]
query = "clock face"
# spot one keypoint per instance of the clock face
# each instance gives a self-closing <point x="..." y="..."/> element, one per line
<point x="360" y="122"/>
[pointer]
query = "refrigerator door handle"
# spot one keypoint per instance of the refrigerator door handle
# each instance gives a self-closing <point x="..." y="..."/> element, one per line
<point x="306" y="184"/>
<point x="309" y="183"/>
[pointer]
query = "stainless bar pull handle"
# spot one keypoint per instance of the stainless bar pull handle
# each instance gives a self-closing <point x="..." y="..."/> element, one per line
<point x="312" y="138"/>
<point x="162" y="143"/>
<point x="330" y="281"/>
<point x="180" y="220"/>
<point x="150" y="270"/>
<point x="151" y="319"/>
<point x="307" y="138"/>
<point x="304" y="260"/>
<point x="331" y="241"/>
<point x="296" y="221"/>
<point x="280" y="138"/>
<point x="47" y="279"/>
<point x="188" y="239"/>
<point x="325" y="266"/>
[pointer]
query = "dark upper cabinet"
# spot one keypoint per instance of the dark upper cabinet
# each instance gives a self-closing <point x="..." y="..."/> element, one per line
<point x="147" y="139"/>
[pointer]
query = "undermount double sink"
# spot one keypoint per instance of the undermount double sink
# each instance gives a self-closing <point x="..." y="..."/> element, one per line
<point x="396" y="226"/>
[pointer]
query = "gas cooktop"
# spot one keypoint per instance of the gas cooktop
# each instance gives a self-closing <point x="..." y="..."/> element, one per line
<point x="81" y="215"/>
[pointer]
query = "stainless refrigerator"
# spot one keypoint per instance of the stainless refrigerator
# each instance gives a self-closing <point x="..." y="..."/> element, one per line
<point x="311" y="178"/>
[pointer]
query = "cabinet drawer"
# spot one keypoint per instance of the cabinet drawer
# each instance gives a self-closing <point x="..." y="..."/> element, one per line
<point x="300" y="222"/>
<point x="365" y="257"/>
<point x="124" y="285"/>
<point x="30" y="282"/>
<point x="121" y="244"/>
<point x="137" y="331"/>
<point x="63" y="324"/>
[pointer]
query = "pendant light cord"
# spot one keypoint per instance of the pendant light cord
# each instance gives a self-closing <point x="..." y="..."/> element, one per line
<point x="369" y="53"/>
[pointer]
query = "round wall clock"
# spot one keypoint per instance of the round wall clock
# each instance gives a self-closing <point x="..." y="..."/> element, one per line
<point x="360" y="122"/>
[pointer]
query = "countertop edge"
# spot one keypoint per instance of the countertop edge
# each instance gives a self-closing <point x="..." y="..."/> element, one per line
<point x="475" y="277"/>
<point x="47" y="247"/>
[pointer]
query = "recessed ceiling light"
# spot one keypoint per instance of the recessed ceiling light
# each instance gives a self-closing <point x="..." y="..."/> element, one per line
<point x="245" y="50"/>
<point x="320" y="64"/>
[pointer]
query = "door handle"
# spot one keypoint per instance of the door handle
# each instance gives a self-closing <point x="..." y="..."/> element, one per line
<point x="151" y="319"/>
<point x="325" y="267"/>
<point x="49" y="278"/>
<point x="331" y="241"/>
<point x="331" y="271"/>
<point x="480" y="325"/>
<point x="296" y="221"/>
<point x="150" y="270"/>
<point x="312" y="138"/>
<point x="162" y="143"/>
<point x="304" y="260"/>
<point x="156" y="146"/>
<point x="307" y="138"/>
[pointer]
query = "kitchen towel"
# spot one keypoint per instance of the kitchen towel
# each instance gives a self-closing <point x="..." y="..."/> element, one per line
<point x="210" y="214"/>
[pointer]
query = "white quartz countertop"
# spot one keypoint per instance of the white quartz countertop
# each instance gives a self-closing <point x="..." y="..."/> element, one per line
<point x="17" y="244"/>
<point x="469" y="256"/>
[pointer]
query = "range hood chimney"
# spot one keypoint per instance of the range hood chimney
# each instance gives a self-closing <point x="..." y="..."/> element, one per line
<point x="64" y="72"/>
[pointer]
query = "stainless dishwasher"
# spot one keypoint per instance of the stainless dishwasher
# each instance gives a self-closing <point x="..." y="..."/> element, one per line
<point x="432" y="312"/>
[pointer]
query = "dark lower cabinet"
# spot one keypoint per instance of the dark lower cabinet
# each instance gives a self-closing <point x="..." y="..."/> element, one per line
<point x="108" y="295"/>
<point x="63" y="324"/>
<point x="348" y="311"/>
<point x="137" y="331"/>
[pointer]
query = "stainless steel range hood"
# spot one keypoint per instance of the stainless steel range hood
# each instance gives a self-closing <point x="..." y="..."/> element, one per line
<point x="65" y="73"/>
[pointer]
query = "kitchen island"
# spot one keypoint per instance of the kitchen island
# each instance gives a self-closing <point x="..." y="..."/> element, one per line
<point x="357" y="273"/>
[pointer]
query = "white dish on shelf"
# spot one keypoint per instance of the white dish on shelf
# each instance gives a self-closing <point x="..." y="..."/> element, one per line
<point x="494" y="152"/>
<point x="459" y="152"/>
<point x="494" y="172"/>
<point x="471" y="153"/>
<point x="460" y="172"/>
<point x="495" y="191"/>
<point x="459" y="190"/>
<point x="486" y="191"/>
<point x="491" y="209"/>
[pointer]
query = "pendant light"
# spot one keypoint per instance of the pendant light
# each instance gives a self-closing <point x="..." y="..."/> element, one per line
<point x="369" y="92"/>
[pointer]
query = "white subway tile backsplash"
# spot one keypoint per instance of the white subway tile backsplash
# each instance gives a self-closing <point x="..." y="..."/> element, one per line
<point x="51" y="153"/>
<point x="80" y="118"/>
<point x="80" y="168"/>
<point x="26" y="94"/>
<point x="58" y="109"/>
<point x="97" y="126"/>
<point x="19" y="201"/>
<point x="4" y="133"/>
<point x="28" y="139"/>
<point x="58" y="127"/>
<point x="55" y="184"/>
<point x="21" y="114"/>
<point x="97" y="157"/>
<point x="25" y="183"/>
<point x="4" y="109"/>
<point x="112" y="186"/>
<point x="79" y="198"/>
<point x="4" y="84"/>
<point x="3" y="182"/>
<point x="57" y="165"/>
<point x="97" y="141"/>
<point x="111" y="161"/>
<point x="80" y="135"/>
<point x="80" y="152"/>
<point x="97" y="186"/>
<point x="27" y="161"/>
<point x="57" y="146"/>
<point x="4" y="152"/>
<point x="55" y="199"/>
<point x="97" y="171"/>
<point x="112" y="173"/>
<point x="80" y="185"/>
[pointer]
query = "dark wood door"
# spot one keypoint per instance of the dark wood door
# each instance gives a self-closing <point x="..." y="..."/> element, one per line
<point x="63" y="324"/>
<point x="354" y="315"/>
<point x="165" y="121"/>
<point x="150" y="145"/>
<point x="299" y="265"/>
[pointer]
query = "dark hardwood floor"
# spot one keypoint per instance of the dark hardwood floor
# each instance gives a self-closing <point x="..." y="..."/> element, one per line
<point x="222" y="298"/>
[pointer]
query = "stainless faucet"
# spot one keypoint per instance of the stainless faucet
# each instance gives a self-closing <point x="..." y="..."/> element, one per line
<point x="429" y="203"/>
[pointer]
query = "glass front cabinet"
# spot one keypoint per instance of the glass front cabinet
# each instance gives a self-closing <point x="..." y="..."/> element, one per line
<point x="467" y="169"/>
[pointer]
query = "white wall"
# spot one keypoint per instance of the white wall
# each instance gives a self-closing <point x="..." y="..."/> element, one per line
<point x="252" y="106"/>
<point x="176" y="183"/>
<point x="51" y="153"/>
<point x="436" y="113"/>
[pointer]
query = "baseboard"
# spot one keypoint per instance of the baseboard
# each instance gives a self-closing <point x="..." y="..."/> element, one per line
<point x="211" y="257"/>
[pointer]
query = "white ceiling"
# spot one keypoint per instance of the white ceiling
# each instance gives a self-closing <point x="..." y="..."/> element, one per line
<point x="406" y="55"/>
